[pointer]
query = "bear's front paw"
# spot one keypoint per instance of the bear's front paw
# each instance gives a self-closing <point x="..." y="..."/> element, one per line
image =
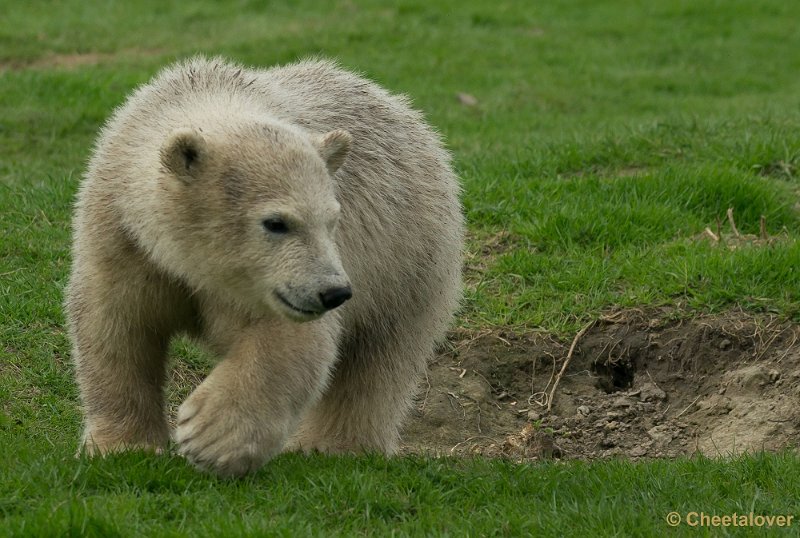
<point x="217" y="433"/>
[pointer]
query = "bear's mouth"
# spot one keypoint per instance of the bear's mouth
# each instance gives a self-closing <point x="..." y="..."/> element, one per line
<point x="288" y="303"/>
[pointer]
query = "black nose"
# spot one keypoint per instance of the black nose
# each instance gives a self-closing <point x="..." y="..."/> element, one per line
<point x="335" y="297"/>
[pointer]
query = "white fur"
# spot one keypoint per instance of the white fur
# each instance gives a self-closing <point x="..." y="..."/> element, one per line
<point x="169" y="238"/>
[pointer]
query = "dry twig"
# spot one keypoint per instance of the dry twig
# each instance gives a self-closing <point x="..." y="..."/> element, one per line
<point x="687" y="407"/>
<point x="714" y="237"/>
<point x="566" y="362"/>
<point x="733" y="223"/>
<point x="457" y="445"/>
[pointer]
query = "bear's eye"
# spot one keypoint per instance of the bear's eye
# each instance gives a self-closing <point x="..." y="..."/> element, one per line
<point x="275" y="225"/>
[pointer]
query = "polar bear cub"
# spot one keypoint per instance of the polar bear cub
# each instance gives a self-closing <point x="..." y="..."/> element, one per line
<point x="300" y="222"/>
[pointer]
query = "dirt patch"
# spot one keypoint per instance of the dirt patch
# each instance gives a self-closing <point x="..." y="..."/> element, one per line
<point x="639" y="385"/>
<point x="72" y="61"/>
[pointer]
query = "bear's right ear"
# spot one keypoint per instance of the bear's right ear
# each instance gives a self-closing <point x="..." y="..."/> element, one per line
<point x="333" y="147"/>
<point x="185" y="154"/>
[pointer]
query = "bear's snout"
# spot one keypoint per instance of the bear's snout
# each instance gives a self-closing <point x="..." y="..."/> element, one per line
<point x="333" y="297"/>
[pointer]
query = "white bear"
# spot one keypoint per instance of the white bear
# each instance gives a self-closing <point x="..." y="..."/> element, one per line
<point x="299" y="221"/>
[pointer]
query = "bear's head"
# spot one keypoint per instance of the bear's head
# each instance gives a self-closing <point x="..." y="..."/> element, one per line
<point x="254" y="215"/>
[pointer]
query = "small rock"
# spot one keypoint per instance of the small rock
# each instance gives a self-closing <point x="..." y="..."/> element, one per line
<point x="622" y="401"/>
<point x="466" y="99"/>
<point x="774" y="375"/>
<point x="638" y="451"/>
<point x="646" y="407"/>
<point x="555" y="422"/>
<point x="584" y="410"/>
<point x="725" y="344"/>
<point x="534" y="415"/>
<point x="660" y="434"/>
<point x="750" y="377"/>
<point x="613" y="425"/>
<point x="650" y="392"/>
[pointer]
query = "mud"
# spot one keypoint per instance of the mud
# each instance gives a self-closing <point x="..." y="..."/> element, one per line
<point x="638" y="385"/>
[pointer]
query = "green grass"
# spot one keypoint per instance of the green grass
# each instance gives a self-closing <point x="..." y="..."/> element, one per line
<point x="300" y="496"/>
<point x="606" y="137"/>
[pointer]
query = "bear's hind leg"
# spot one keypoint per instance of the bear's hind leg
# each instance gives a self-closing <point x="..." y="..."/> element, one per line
<point x="364" y="407"/>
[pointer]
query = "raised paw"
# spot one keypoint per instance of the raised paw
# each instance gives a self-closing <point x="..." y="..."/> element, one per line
<point x="224" y="435"/>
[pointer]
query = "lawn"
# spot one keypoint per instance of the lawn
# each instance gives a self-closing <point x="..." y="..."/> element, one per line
<point x="596" y="140"/>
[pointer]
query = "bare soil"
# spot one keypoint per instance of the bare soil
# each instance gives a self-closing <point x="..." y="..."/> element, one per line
<point x="69" y="62"/>
<point x="638" y="385"/>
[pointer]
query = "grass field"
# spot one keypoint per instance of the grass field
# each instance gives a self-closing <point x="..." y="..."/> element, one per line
<point x="604" y="137"/>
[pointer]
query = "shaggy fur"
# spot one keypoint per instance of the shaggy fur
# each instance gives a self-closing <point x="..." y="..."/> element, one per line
<point x="221" y="201"/>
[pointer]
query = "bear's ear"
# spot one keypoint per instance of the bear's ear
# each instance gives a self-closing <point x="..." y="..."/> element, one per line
<point x="334" y="147"/>
<point x="185" y="154"/>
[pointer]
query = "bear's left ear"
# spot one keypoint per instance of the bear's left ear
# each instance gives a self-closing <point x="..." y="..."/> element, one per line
<point x="185" y="154"/>
<point x="334" y="147"/>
